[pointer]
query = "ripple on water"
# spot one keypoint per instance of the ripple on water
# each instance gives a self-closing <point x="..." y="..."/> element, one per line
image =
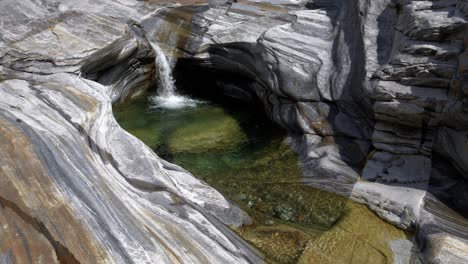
<point x="244" y="157"/>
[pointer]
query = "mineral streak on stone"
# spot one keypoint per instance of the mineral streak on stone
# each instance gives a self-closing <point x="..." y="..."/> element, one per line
<point x="374" y="93"/>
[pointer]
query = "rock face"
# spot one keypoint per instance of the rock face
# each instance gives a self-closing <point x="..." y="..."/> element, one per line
<point x="374" y="93"/>
<point x="74" y="186"/>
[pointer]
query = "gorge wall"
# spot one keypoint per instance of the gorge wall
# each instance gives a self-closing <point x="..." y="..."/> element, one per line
<point x="74" y="186"/>
<point x="373" y="93"/>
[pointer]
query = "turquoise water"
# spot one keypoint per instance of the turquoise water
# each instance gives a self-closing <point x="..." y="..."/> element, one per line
<point x="241" y="154"/>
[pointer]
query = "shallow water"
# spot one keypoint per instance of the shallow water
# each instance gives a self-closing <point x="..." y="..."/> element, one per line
<point x="244" y="156"/>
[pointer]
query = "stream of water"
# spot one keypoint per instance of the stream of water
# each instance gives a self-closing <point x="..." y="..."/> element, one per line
<point x="167" y="96"/>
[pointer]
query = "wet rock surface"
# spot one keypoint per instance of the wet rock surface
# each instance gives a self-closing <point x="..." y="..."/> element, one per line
<point x="373" y="92"/>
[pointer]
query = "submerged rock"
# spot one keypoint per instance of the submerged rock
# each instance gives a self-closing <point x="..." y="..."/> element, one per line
<point x="214" y="131"/>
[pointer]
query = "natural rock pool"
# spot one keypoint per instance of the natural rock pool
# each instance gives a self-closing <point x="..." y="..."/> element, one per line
<point x="246" y="158"/>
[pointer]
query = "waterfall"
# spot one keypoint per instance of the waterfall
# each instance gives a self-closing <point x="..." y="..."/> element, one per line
<point x="167" y="96"/>
<point x="164" y="71"/>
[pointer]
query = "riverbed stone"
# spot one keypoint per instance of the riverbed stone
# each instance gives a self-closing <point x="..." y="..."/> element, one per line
<point x="216" y="131"/>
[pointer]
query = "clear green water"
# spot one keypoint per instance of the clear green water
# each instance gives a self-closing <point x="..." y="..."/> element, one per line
<point x="244" y="157"/>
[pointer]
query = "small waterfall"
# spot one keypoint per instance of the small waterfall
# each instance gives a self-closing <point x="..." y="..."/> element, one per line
<point x="167" y="96"/>
<point x="164" y="71"/>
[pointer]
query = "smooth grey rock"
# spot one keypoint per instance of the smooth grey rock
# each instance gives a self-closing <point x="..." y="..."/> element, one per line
<point x="385" y="140"/>
<point x="63" y="47"/>
<point x="386" y="90"/>
<point x="442" y="232"/>
<point x="302" y="55"/>
<point x="91" y="161"/>
<point x="398" y="205"/>
<point x="381" y="77"/>
<point x="326" y="163"/>
<point x="384" y="167"/>
<point x="404" y="251"/>
<point x="344" y="76"/>
<point x="399" y="112"/>
<point x="425" y="20"/>
<point x="99" y="193"/>
<point x="442" y="248"/>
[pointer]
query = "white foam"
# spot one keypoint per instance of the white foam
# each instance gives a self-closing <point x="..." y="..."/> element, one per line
<point x="167" y="96"/>
<point x="173" y="101"/>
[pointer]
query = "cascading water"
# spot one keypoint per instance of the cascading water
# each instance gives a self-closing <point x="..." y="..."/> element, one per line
<point x="167" y="96"/>
<point x="166" y="81"/>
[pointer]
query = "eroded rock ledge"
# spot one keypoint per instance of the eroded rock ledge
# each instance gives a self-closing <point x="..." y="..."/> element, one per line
<point x="373" y="93"/>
